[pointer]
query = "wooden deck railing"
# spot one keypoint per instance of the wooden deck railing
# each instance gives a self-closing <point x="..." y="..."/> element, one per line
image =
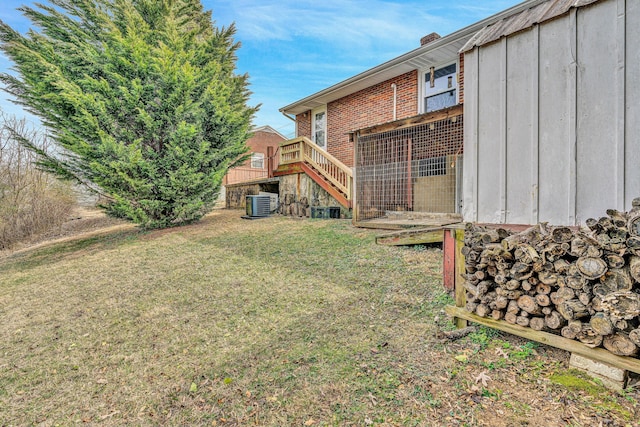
<point x="302" y="149"/>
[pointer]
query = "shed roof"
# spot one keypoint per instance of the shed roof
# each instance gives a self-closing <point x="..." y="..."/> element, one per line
<point x="522" y="20"/>
<point x="435" y="53"/>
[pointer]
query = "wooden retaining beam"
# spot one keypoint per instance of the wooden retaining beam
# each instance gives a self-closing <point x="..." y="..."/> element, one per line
<point x="599" y="354"/>
<point x="421" y="236"/>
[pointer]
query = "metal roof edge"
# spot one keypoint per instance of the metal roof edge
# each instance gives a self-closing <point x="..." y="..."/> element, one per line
<point x="472" y="29"/>
<point x="526" y="18"/>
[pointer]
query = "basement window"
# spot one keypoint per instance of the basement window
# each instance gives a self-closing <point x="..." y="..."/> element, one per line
<point x="257" y="161"/>
<point x="440" y="88"/>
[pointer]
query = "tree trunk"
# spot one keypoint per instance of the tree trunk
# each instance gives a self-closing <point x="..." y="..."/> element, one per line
<point x="572" y="330"/>
<point x="482" y="310"/>
<point x="601" y="324"/>
<point x="591" y="268"/>
<point x="543" y="300"/>
<point x="537" y="323"/>
<point x="634" y="268"/>
<point x="572" y="309"/>
<point x="561" y="295"/>
<point x="528" y="303"/>
<point x="622" y="305"/>
<point x="510" y="317"/>
<point x="620" y="344"/>
<point x="589" y="337"/>
<point x="522" y="321"/>
<point x="554" y="320"/>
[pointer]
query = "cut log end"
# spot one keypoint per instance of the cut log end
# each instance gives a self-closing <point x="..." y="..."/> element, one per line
<point x="620" y="344"/>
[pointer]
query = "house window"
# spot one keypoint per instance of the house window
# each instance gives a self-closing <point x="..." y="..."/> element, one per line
<point x="319" y="127"/>
<point x="440" y="88"/>
<point x="257" y="161"/>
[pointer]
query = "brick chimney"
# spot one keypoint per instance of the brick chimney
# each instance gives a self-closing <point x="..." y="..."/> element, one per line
<point x="429" y="38"/>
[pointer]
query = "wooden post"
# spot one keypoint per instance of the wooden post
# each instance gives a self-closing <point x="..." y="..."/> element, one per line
<point x="460" y="295"/>
<point x="409" y="181"/>
<point x="449" y="259"/>
<point x="269" y="162"/>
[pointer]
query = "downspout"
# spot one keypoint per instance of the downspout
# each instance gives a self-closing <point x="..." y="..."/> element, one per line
<point x="395" y="99"/>
<point x="293" y="119"/>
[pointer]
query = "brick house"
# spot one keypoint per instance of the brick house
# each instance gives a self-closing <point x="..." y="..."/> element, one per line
<point x="263" y="146"/>
<point x="396" y="129"/>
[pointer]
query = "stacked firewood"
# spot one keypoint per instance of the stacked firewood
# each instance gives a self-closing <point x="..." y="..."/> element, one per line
<point x="581" y="283"/>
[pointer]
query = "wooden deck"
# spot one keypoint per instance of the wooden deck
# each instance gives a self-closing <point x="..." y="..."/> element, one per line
<point x="410" y="220"/>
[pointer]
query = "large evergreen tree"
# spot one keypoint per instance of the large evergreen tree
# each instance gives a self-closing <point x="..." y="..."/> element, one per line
<point x="141" y="97"/>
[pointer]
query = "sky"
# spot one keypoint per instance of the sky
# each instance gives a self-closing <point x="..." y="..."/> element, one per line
<point x="294" y="48"/>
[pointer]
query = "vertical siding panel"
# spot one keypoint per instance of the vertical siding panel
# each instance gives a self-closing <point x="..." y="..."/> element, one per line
<point x="557" y="123"/>
<point x="491" y="117"/>
<point x="632" y="106"/>
<point x="502" y="161"/>
<point x="572" y="99"/>
<point x="596" y="111"/>
<point x="520" y="156"/>
<point x="620" y="97"/>
<point x="535" y="125"/>
<point x="470" y="155"/>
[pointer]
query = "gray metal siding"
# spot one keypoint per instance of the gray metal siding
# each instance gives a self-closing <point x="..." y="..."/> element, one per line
<point x="558" y="121"/>
<point x="470" y="168"/>
<point x="632" y="101"/>
<point x="522" y="155"/>
<point x="597" y="85"/>
<point x="556" y="113"/>
<point x="491" y="136"/>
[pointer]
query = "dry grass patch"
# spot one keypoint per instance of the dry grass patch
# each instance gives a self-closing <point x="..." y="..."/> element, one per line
<point x="274" y="322"/>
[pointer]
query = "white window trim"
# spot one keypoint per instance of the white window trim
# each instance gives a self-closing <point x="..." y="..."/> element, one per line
<point x="313" y="125"/>
<point x="421" y="83"/>
<point x="257" y="157"/>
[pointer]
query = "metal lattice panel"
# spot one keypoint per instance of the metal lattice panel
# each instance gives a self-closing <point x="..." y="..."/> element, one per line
<point x="414" y="169"/>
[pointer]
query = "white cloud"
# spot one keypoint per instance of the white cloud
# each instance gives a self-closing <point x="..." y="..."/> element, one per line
<point x="345" y="22"/>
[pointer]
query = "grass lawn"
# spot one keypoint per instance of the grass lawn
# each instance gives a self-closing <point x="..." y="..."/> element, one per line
<point x="273" y="322"/>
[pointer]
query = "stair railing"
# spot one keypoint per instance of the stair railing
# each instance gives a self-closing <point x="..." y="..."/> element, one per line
<point x="302" y="149"/>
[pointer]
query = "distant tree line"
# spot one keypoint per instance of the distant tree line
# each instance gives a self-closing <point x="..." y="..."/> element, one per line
<point x="31" y="200"/>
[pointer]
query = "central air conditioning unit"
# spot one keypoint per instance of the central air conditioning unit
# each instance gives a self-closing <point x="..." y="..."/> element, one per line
<point x="258" y="206"/>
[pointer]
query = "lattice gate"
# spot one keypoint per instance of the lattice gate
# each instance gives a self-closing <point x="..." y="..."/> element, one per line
<point x="413" y="169"/>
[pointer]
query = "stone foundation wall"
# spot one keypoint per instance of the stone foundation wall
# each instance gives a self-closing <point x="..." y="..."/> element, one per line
<point x="236" y="195"/>
<point x="299" y="193"/>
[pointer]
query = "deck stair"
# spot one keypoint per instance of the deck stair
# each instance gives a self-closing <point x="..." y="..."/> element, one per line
<point x="301" y="155"/>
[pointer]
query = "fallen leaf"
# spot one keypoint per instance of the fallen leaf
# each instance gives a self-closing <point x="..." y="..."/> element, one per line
<point x="104" y="417"/>
<point x="501" y="352"/>
<point x="483" y="377"/>
<point x="462" y="358"/>
<point x="193" y="388"/>
<point x="310" y="422"/>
